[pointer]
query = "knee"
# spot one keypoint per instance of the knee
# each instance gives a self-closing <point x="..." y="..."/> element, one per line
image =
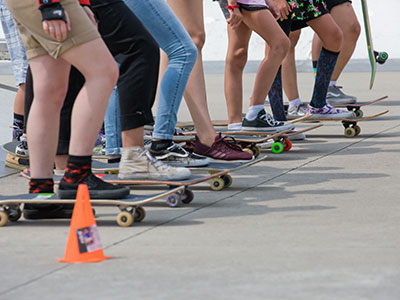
<point x="183" y="54"/>
<point x="53" y="93"/>
<point x="353" y="31"/>
<point x="335" y="40"/>
<point x="237" y="59"/>
<point x="151" y="50"/>
<point x="199" y="39"/>
<point x="280" y="47"/>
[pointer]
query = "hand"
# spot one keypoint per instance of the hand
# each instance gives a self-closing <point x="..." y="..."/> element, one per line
<point x="235" y="19"/>
<point x="90" y="14"/>
<point x="283" y="7"/>
<point x="57" y="29"/>
<point x="274" y="9"/>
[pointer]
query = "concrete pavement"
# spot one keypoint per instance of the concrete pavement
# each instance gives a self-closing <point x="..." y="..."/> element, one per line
<point x="321" y="221"/>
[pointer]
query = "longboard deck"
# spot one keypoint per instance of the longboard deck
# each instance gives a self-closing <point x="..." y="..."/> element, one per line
<point x="217" y="171"/>
<point x="370" y="45"/>
<point x="130" y="206"/>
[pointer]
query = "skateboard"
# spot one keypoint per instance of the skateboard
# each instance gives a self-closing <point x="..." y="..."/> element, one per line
<point x="355" y="107"/>
<point x="216" y="172"/>
<point x="131" y="206"/>
<point x="14" y="160"/>
<point x="374" y="56"/>
<point x="351" y="129"/>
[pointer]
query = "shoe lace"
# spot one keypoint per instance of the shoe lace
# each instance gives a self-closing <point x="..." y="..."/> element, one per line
<point x="269" y="119"/>
<point x="159" y="165"/>
<point x="228" y="141"/>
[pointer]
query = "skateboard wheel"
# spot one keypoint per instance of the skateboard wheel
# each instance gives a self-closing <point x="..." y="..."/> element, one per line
<point x="124" y="219"/>
<point x="3" y="218"/>
<point x="139" y="214"/>
<point x="173" y="200"/>
<point x="349" y="132"/>
<point x="227" y="180"/>
<point x="14" y="214"/>
<point x="358" y="129"/>
<point x="358" y="113"/>
<point x="217" y="184"/>
<point x="287" y="145"/>
<point x="381" y="57"/>
<point x="277" y="147"/>
<point x="248" y="151"/>
<point x="187" y="196"/>
<point x="256" y="151"/>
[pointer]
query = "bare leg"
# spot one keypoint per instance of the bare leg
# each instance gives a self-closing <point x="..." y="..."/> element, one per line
<point x="133" y="137"/>
<point x="265" y="25"/>
<point x="328" y="31"/>
<point x="19" y="100"/>
<point x="195" y="92"/>
<point x="316" y="47"/>
<point x="236" y="58"/>
<point x="289" y="72"/>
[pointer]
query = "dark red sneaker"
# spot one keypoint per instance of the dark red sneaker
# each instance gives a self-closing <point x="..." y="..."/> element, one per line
<point x="223" y="148"/>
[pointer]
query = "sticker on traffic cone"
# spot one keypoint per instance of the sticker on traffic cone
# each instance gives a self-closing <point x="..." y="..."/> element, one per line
<point x="83" y="245"/>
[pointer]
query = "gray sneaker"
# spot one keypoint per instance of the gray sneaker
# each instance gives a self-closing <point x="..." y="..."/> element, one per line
<point x="265" y="122"/>
<point x="297" y="111"/>
<point x="176" y="156"/>
<point x="336" y="96"/>
<point x="138" y="163"/>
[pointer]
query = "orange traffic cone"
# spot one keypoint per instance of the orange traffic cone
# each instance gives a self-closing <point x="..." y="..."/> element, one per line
<point x="83" y="245"/>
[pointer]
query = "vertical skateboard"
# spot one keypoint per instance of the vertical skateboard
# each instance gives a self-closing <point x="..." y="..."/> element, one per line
<point x="374" y="56"/>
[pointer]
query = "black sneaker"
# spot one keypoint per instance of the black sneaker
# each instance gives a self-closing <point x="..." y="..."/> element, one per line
<point x="47" y="211"/>
<point x="98" y="189"/>
<point x="265" y="122"/>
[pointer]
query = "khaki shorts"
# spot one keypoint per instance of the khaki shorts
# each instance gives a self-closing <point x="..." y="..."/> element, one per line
<point x="29" y="22"/>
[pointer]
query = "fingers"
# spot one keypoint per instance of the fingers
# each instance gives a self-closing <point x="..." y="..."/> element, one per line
<point x="57" y="29"/>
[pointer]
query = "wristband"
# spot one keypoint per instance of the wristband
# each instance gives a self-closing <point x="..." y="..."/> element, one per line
<point x="232" y="7"/>
<point x="53" y="12"/>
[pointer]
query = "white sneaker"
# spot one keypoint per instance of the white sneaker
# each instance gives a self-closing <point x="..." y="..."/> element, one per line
<point x="22" y="147"/>
<point x="297" y="111"/>
<point x="138" y="163"/>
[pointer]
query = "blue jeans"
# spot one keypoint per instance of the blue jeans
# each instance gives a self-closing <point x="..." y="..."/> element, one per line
<point x="112" y="125"/>
<point x="164" y="26"/>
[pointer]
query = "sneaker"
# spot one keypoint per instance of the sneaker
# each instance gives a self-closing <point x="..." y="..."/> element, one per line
<point x="47" y="211"/>
<point x="22" y="147"/>
<point x="98" y="189"/>
<point x="336" y="96"/>
<point x="138" y="163"/>
<point x="265" y="122"/>
<point x="297" y="111"/>
<point x="176" y="156"/>
<point x="223" y="148"/>
<point x="329" y="112"/>
<point x="100" y="145"/>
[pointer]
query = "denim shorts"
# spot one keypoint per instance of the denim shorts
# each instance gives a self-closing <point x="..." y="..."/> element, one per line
<point x="14" y="44"/>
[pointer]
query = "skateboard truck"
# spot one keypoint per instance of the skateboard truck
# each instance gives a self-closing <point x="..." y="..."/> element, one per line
<point x="351" y="129"/>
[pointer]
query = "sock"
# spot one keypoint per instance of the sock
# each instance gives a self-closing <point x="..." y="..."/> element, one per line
<point x="294" y="102"/>
<point x="326" y="65"/>
<point x="332" y="83"/>
<point x="78" y="169"/>
<point x="314" y="65"/>
<point x="160" y="145"/>
<point x="276" y="98"/>
<point x="235" y="126"/>
<point x="253" y="111"/>
<point x="45" y="185"/>
<point x="18" y="126"/>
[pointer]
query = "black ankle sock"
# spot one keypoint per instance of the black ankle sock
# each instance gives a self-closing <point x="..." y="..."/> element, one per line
<point x="160" y="145"/>
<point x="276" y="98"/>
<point x="42" y="185"/>
<point x="18" y="126"/>
<point x="315" y="64"/>
<point x="78" y="168"/>
<point x="326" y="65"/>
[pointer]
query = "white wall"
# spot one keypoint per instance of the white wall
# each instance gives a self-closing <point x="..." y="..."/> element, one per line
<point x="385" y="24"/>
<point x="384" y="17"/>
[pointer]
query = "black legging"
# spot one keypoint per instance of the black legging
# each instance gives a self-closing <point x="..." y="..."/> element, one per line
<point x="138" y="56"/>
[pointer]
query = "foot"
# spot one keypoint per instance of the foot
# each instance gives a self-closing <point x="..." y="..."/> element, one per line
<point x="329" y="112"/>
<point x="336" y="96"/>
<point x="297" y="111"/>
<point x="47" y="211"/>
<point x="175" y="155"/>
<point x="223" y="148"/>
<point x="138" y="163"/>
<point x="265" y="122"/>
<point x="98" y="189"/>
<point x="22" y="147"/>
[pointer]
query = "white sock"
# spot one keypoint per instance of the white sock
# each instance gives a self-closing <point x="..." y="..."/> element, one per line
<point x="235" y="126"/>
<point x="253" y="111"/>
<point x="332" y="83"/>
<point x="294" y="102"/>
